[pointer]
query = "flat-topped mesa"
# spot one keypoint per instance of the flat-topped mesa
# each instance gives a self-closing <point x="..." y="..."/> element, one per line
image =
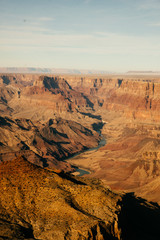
<point x="52" y="83"/>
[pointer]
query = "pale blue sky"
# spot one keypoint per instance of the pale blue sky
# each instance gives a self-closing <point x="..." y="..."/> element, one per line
<point x="115" y="35"/>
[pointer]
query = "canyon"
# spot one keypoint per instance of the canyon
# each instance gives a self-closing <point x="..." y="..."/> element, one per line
<point x="44" y="121"/>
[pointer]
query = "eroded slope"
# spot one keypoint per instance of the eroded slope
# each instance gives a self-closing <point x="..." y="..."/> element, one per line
<point x="54" y="206"/>
<point x="39" y="204"/>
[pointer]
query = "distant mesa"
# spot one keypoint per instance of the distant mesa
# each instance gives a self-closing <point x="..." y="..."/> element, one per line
<point x="143" y="72"/>
<point x="51" y="70"/>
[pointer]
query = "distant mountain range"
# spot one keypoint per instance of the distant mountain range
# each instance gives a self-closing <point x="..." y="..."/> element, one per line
<point x="51" y="70"/>
<point x="70" y="71"/>
<point x="143" y="72"/>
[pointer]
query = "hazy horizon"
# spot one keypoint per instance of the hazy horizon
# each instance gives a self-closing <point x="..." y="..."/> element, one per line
<point x="78" y="71"/>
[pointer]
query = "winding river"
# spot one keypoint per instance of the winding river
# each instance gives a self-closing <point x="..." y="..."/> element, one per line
<point x="80" y="172"/>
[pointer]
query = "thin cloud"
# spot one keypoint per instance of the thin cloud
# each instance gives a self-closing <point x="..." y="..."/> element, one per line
<point x="150" y="4"/>
<point x="154" y="24"/>
<point x="99" y="43"/>
<point x="12" y="29"/>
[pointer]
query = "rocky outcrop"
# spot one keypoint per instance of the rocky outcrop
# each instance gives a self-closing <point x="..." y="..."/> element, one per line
<point x="52" y="83"/>
<point x="47" y="205"/>
<point x="39" y="204"/>
<point x="18" y="80"/>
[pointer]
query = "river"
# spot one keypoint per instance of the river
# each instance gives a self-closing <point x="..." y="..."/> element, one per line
<point x="80" y="171"/>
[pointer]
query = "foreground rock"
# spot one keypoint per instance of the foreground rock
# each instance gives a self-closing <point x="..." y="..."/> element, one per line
<point x="39" y="204"/>
<point x="46" y="205"/>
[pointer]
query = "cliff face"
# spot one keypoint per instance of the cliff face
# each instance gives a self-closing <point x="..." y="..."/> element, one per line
<point x="40" y="204"/>
<point x="136" y="98"/>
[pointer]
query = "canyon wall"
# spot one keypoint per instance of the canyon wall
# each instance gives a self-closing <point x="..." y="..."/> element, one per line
<point x="136" y="98"/>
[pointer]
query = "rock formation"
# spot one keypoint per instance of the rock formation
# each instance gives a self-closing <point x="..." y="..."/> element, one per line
<point x="41" y="204"/>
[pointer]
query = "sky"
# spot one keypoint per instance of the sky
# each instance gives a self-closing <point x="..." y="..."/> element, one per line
<point x="109" y="35"/>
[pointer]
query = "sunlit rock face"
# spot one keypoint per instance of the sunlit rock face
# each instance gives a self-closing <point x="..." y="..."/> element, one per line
<point x="135" y="97"/>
